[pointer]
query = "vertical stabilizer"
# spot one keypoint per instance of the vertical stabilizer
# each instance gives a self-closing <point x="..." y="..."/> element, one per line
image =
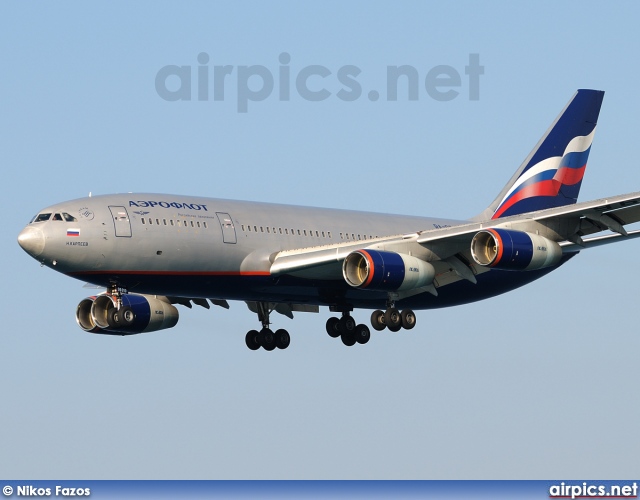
<point x="552" y="173"/>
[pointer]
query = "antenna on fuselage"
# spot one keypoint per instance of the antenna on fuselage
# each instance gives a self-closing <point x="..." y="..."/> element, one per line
<point x="89" y="194"/>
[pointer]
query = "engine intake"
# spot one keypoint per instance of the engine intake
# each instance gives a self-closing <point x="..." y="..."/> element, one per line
<point x="514" y="250"/>
<point x="386" y="271"/>
<point x="138" y="314"/>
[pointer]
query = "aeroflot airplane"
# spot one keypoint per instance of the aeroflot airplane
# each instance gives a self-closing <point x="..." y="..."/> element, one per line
<point x="151" y="251"/>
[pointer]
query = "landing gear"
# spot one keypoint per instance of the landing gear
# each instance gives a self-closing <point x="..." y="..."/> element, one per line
<point x="265" y="338"/>
<point x="252" y="340"/>
<point x="393" y="319"/>
<point x="346" y="328"/>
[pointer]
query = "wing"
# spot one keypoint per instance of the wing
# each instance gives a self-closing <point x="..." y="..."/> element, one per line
<point x="448" y="249"/>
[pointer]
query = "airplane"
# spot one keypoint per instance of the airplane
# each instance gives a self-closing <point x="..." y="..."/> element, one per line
<point x="152" y="251"/>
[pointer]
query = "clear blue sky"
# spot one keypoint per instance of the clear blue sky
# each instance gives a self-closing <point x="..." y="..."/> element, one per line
<point x="540" y="383"/>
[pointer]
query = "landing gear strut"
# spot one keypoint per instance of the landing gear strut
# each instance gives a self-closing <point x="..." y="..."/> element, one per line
<point x="265" y="338"/>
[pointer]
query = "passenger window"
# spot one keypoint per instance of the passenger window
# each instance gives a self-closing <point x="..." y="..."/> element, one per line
<point x="150" y="221"/>
<point x="142" y="220"/>
<point x="191" y="223"/>
<point x="171" y="221"/>
<point x="205" y="225"/>
<point x="164" y="221"/>
<point x="158" y="222"/>
<point x="198" y="223"/>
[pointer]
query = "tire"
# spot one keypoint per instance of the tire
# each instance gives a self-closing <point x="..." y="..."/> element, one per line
<point x="113" y="318"/>
<point x="347" y="324"/>
<point x="126" y="316"/>
<point x="348" y="338"/>
<point x="267" y="339"/>
<point x="282" y="339"/>
<point x="377" y="320"/>
<point x="332" y="327"/>
<point x="362" y="334"/>
<point x="408" y="319"/>
<point x="251" y="340"/>
<point x="393" y="319"/>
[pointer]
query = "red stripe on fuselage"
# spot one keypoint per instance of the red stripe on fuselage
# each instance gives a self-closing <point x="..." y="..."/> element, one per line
<point x="178" y="273"/>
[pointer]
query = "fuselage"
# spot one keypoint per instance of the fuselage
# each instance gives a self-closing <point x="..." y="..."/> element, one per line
<point x="214" y="248"/>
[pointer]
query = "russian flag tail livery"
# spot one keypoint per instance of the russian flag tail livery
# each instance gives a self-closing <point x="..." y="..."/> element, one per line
<point x="552" y="173"/>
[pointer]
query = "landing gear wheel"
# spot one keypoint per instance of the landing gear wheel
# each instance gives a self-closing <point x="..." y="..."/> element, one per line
<point x="348" y="338"/>
<point x="377" y="320"/>
<point x="282" y="339"/>
<point x="362" y="334"/>
<point x="408" y="319"/>
<point x="126" y="316"/>
<point x="393" y="319"/>
<point x="267" y="339"/>
<point x="113" y="318"/>
<point x="347" y="325"/>
<point x="251" y="340"/>
<point x="332" y="327"/>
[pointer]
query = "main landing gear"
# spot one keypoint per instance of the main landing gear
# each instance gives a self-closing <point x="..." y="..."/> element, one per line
<point x="393" y="319"/>
<point x="265" y="338"/>
<point x="346" y="328"/>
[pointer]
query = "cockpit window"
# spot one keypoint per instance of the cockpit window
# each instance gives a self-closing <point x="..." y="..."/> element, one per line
<point x="57" y="217"/>
<point x="42" y="217"/>
<point x="68" y="217"/>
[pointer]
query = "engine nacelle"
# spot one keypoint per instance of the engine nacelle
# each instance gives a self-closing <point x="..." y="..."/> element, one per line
<point x="514" y="250"/>
<point x="138" y="314"/>
<point x="386" y="271"/>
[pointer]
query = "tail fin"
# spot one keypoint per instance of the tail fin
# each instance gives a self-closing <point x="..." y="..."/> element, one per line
<point x="552" y="173"/>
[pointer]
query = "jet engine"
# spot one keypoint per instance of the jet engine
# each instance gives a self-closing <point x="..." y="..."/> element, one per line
<point x="386" y="271"/>
<point x="514" y="250"/>
<point x="138" y="314"/>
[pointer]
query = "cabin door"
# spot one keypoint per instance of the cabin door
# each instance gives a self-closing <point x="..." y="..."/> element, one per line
<point x="228" y="229"/>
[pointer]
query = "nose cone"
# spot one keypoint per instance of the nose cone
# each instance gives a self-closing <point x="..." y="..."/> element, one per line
<point x="31" y="239"/>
